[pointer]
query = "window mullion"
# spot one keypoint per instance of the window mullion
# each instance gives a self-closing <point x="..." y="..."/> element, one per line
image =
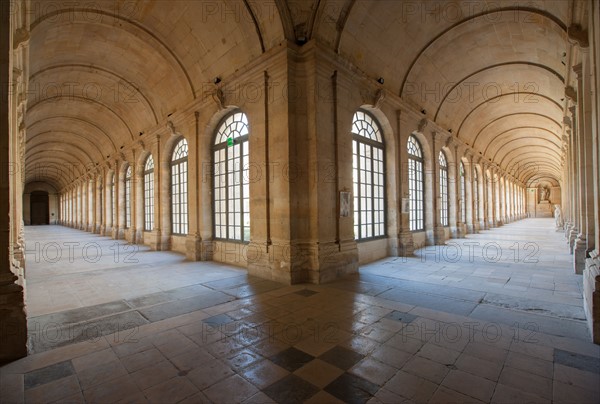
<point x="372" y="186"/>
<point x="241" y="185"/>
<point x="360" y="188"/>
<point x="226" y="163"/>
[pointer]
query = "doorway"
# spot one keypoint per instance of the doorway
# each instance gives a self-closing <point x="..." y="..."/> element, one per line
<point x="39" y="208"/>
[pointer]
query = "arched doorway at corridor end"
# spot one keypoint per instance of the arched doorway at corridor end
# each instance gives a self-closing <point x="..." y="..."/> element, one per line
<point x="39" y="208"/>
<point x="40" y="204"/>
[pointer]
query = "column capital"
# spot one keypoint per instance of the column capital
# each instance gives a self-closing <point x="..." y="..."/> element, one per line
<point x="570" y="92"/>
<point x="422" y="124"/>
<point x="452" y="141"/>
<point x="573" y="109"/>
<point x="578" y="36"/>
<point x="578" y="69"/>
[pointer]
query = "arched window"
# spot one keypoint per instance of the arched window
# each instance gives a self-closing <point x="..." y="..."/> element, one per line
<point x="476" y="194"/>
<point x="231" y="186"/>
<point x="368" y="177"/>
<point x="416" y="187"/>
<point x="444" y="208"/>
<point x="128" y="175"/>
<point x="149" y="194"/>
<point x="463" y="194"/>
<point x="179" y="191"/>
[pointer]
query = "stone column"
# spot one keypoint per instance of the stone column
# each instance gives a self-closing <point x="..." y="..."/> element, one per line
<point x="91" y="203"/>
<point x="78" y="214"/>
<point x="163" y="170"/>
<point x="67" y="213"/>
<point x="132" y="237"/>
<point x="455" y="193"/>
<point x="518" y="215"/>
<point x="513" y="204"/>
<point x="523" y="201"/>
<point x="438" y="235"/>
<point x="566" y="184"/>
<point x="70" y="207"/>
<point x="99" y="223"/>
<point x="588" y="93"/>
<point x="483" y="195"/>
<point x="13" y="323"/>
<point x="140" y="200"/>
<point x="470" y="194"/>
<point x="585" y="239"/>
<point x="406" y="244"/>
<point x="201" y="239"/>
<point x="490" y="198"/>
<point x="509" y="200"/>
<point x="108" y="214"/>
<point x="496" y="197"/>
<point x="76" y="205"/>
<point x="308" y="149"/>
<point x="155" y="235"/>
<point x="573" y="151"/>
<point x="84" y="203"/>
<point x="196" y="250"/>
<point x="73" y="206"/>
<point x="116" y="219"/>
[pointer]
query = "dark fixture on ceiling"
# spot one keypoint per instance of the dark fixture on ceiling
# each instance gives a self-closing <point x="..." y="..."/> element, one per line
<point x="217" y="80"/>
<point x="380" y="80"/>
<point x="423" y="111"/>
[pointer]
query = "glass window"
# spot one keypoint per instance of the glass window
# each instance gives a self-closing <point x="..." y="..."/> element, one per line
<point x="463" y="194"/>
<point x="179" y="183"/>
<point x="416" y="187"/>
<point x="476" y="194"/>
<point x="444" y="208"/>
<point x="128" y="175"/>
<point x="149" y="194"/>
<point x="231" y="185"/>
<point x="368" y="177"/>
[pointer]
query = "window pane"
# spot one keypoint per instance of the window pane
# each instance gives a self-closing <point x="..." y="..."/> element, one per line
<point x="367" y="175"/>
<point x="415" y="184"/>
<point x="232" y="188"/>
<point x="179" y="202"/>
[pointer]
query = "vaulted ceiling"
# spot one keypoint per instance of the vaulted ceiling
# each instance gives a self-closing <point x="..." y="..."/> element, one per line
<point x="492" y="72"/>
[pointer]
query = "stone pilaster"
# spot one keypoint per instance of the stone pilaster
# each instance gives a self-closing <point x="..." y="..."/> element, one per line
<point x="13" y="323"/>
<point x="406" y="246"/>
<point x="198" y="249"/>
<point x="584" y="242"/>
<point x="438" y="234"/>
<point x="591" y="294"/>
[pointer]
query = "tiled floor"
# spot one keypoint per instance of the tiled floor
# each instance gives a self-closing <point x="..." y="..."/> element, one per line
<point x="495" y="317"/>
